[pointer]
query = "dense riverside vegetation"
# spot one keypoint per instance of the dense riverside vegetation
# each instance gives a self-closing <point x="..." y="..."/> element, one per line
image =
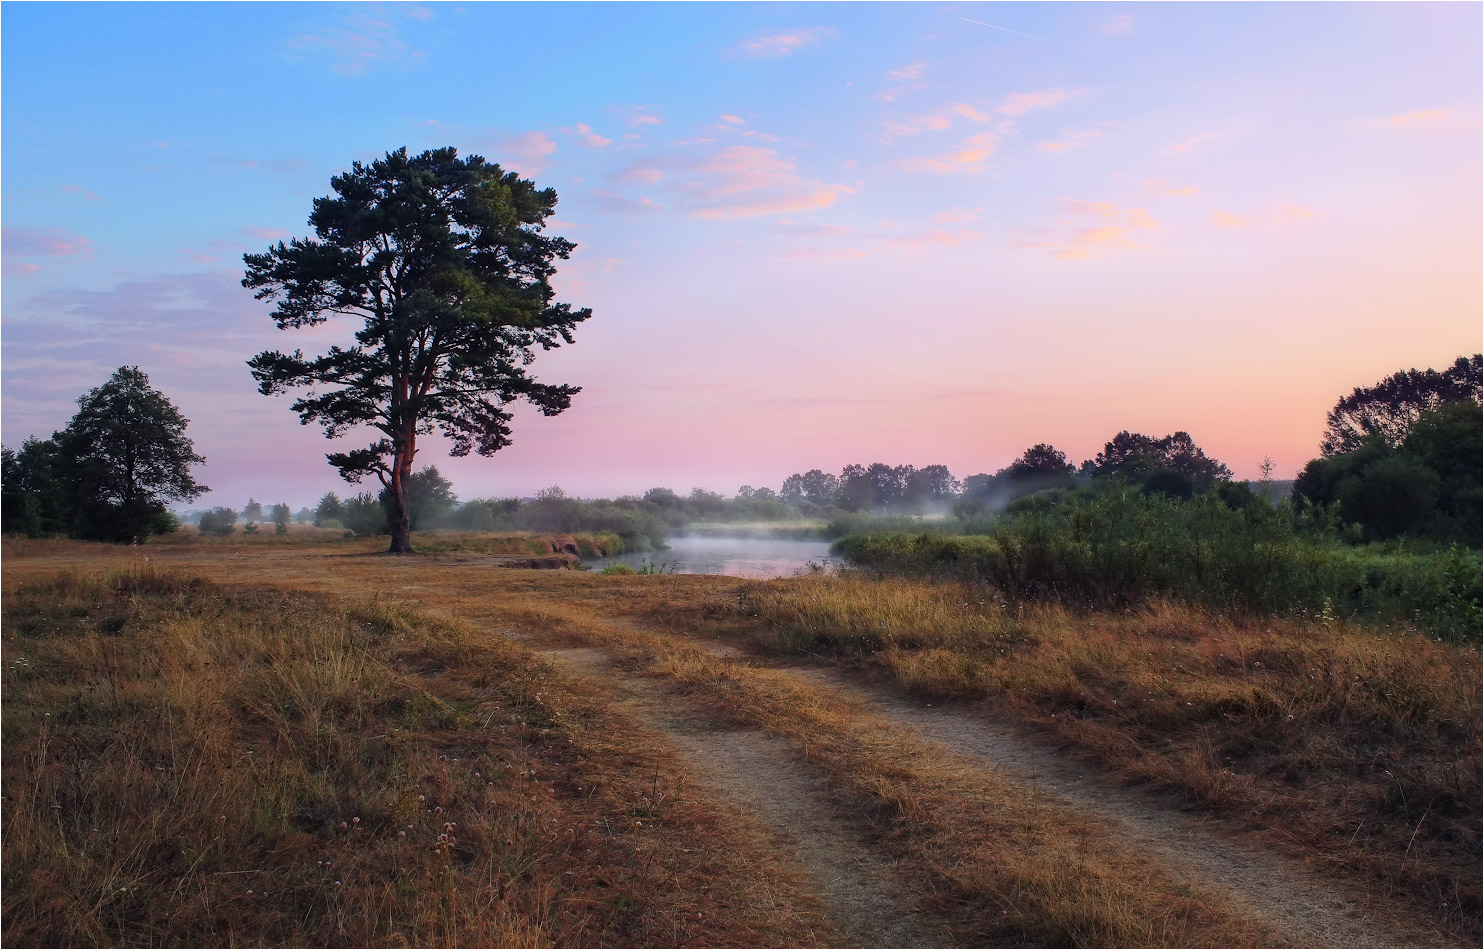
<point x="1112" y="545"/>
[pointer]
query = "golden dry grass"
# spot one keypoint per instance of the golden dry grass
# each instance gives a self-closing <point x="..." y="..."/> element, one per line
<point x="1165" y="695"/>
<point x="1351" y="746"/>
<point x="199" y="765"/>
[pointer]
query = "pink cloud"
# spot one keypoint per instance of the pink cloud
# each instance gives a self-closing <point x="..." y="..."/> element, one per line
<point x="733" y="119"/>
<point x="19" y="268"/>
<point x="745" y="181"/>
<point x="825" y="254"/>
<point x="266" y="234"/>
<point x="1141" y="218"/>
<point x="968" y="112"/>
<point x="814" y="230"/>
<point x="46" y="242"/>
<point x="526" y="153"/>
<point x="1192" y="142"/>
<point x="1225" y="219"/>
<point x="1070" y="140"/>
<point x="909" y="77"/>
<point x="584" y="134"/>
<point x="1297" y="211"/>
<point x="78" y="190"/>
<point x="1123" y="23"/>
<point x="641" y="119"/>
<point x="1020" y="103"/>
<point x="977" y="150"/>
<point x="1420" y="117"/>
<point x="1161" y="187"/>
<point x="915" y="124"/>
<point x="773" y="45"/>
<point x="1108" y="229"/>
<point x="939" y="237"/>
<point x="932" y="122"/>
<point x="958" y="215"/>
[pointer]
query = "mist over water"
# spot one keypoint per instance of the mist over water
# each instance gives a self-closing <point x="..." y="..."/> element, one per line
<point x="732" y="556"/>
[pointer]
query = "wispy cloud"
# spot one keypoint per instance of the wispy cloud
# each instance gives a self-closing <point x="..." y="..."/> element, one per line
<point x="824" y="254"/>
<point x="744" y="181"/>
<point x="783" y="42"/>
<point x="525" y="153"/>
<point x="585" y="134"/>
<point x="1419" y="118"/>
<point x="969" y="157"/>
<point x="1019" y="103"/>
<point x="730" y="119"/>
<point x="43" y="242"/>
<point x="1192" y="142"/>
<point x="266" y="234"/>
<point x="355" y="39"/>
<point x="1160" y="186"/>
<point x="958" y="215"/>
<point x="79" y="190"/>
<point x="1263" y="218"/>
<point x="907" y="78"/>
<point x="1091" y="228"/>
<point x="912" y="125"/>
<point x="1119" y="25"/>
<point x="1068" y="140"/>
<point x="935" y="238"/>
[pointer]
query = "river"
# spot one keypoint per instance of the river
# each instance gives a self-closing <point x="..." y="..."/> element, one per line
<point x="735" y="557"/>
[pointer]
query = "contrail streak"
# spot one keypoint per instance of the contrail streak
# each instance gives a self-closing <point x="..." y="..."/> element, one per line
<point x="1007" y="30"/>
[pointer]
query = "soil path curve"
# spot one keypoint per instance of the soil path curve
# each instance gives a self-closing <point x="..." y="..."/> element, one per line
<point x="758" y="777"/>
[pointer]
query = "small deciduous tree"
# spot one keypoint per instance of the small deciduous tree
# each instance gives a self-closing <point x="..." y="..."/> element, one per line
<point x="445" y="262"/>
<point x="218" y="521"/>
<point x="123" y="455"/>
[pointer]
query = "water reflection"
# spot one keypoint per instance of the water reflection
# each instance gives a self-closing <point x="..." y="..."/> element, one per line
<point x="735" y="557"/>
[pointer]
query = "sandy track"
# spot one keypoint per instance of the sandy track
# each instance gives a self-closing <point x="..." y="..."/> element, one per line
<point x="1310" y="910"/>
<point x="764" y="782"/>
<point x="758" y="778"/>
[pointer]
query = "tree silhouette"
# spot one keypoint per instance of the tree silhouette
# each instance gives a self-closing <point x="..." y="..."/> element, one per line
<point x="444" y="261"/>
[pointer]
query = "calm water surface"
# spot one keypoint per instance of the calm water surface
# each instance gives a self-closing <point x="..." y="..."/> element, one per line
<point x="736" y="557"/>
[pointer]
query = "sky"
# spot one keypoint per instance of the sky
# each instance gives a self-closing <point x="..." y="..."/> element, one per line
<point x="810" y="234"/>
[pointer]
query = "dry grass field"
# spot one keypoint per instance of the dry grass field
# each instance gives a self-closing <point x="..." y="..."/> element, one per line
<point x="302" y="741"/>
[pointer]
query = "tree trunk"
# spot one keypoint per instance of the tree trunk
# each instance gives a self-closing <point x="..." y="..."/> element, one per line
<point x="401" y="517"/>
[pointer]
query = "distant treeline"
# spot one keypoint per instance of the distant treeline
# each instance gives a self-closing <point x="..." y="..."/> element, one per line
<point x="1399" y="459"/>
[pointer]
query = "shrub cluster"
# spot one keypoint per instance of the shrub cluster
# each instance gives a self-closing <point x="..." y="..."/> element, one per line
<point x="1111" y="545"/>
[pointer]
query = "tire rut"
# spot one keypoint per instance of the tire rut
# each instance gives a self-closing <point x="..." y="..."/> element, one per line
<point x="1313" y="911"/>
<point x="759" y="779"/>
